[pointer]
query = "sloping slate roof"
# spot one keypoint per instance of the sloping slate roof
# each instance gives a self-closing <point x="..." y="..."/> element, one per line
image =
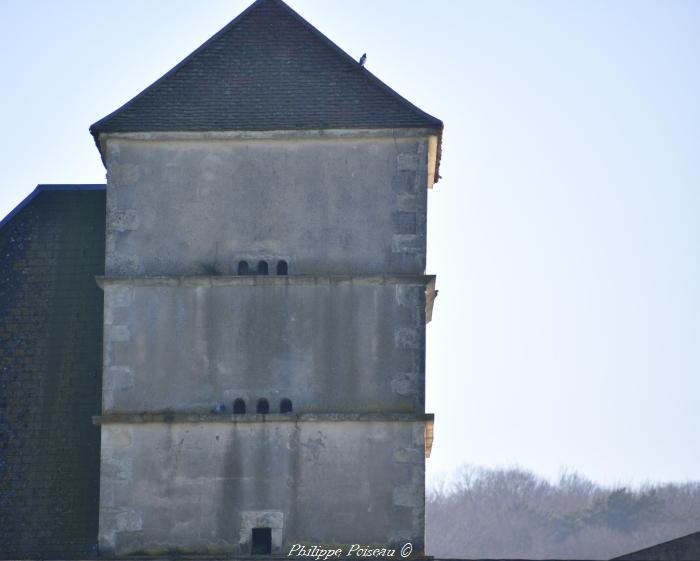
<point x="51" y="246"/>
<point x="685" y="548"/>
<point x="269" y="69"/>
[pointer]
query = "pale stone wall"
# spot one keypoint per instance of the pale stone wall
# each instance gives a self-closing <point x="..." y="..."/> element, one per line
<point x="342" y="335"/>
<point x="179" y="487"/>
<point x="325" y="205"/>
<point x="328" y="344"/>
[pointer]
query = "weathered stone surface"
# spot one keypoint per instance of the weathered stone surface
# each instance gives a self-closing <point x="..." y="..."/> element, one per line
<point x="196" y="318"/>
<point x="324" y="205"/>
<point x="204" y="486"/>
<point x="326" y="347"/>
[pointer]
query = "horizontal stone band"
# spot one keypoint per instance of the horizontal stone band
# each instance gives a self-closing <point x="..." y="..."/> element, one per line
<point x="263" y="280"/>
<point x="166" y="417"/>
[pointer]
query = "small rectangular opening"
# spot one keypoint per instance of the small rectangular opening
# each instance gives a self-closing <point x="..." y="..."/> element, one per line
<point x="262" y="541"/>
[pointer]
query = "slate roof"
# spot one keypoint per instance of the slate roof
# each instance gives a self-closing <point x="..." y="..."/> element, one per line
<point x="51" y="248"/>
<point x="685" y="548"/>
<point x="268" y="69"/>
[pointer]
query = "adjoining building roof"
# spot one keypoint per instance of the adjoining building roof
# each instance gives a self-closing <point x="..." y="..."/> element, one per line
<point x="52" y="246"/>
<point x="268" y="69"/>
<point x="685" y="548"/>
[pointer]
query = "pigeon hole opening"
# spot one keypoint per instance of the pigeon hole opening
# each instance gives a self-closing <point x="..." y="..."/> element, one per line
<point x="261" y="543"/>
<point x="238" y="407"/>
<point x="263" y="406"/>
<point x="243" y="268"/>
<point x="286" y="405"/>
<point x="262" y="268"/>
<point x="282" y="267"/>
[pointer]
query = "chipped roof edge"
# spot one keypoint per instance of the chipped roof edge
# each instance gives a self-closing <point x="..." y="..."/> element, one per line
<point x="49" y="187"/>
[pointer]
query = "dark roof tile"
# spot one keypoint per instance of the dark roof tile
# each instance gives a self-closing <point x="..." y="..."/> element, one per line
<point x="269" y="69"/>
<point x="52" y="247"/>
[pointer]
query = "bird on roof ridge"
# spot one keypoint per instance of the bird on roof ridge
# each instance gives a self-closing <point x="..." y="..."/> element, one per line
<point x="363" y="59"/>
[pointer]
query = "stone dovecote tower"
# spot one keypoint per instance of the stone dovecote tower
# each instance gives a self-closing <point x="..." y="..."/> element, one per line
<point x="265" y="301"/>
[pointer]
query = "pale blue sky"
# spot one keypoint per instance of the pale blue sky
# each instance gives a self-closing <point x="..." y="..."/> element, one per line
<point x="564" y="232"/>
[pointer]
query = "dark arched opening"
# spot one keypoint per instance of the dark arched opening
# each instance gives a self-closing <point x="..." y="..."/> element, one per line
<point x="263" y="406"/>
<point x="262" y="268"/>
<point x="243" y="268"/>
<point x="239" y="407"/>
<point x="282" y="267"/>
<point x="286" y="405"/>
<point x="261" y="542"/>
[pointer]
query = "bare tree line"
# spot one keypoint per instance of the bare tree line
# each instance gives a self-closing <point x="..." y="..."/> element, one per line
<point x="501" y="513"/>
